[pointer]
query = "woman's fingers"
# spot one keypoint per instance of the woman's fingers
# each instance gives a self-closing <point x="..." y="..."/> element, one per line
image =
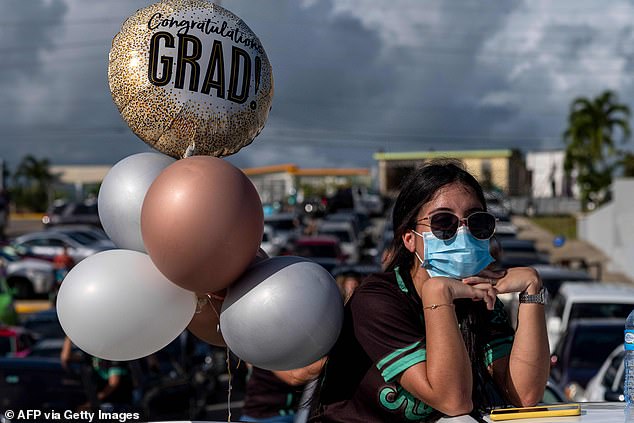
<point x="480" y="280"/>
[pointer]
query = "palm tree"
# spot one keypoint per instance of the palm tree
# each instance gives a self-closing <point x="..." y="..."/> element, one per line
<point x="32" y="183"/>
<point x="590" y="144"/>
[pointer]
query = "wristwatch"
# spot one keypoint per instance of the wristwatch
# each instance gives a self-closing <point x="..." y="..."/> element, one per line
<point x="539" y="298"/>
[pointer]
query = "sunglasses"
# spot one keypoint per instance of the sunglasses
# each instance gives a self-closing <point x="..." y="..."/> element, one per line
<point x="444" y="225"/>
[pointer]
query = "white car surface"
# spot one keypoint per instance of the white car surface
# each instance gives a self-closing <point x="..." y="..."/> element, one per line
<point x="587" y="300"/>
<point x="27" y="275"/>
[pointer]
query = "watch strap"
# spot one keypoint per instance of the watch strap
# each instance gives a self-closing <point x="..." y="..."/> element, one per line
<point x="539" y="298"/>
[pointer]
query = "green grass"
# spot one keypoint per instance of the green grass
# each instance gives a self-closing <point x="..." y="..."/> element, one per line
<point x="558" y="225"/>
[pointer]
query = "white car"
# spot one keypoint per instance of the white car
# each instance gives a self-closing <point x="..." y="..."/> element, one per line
<point x="607" y="384"/>
<point x="50" y="243"/>
<point x="586" y="301"/>
<point x="348" y="238"/>
<point x="27" y="276"/>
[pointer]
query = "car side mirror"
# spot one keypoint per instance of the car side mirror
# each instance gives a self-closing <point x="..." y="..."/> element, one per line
<point x="614" y="396"/>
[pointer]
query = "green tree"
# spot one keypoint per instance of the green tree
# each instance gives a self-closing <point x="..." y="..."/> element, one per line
<point x="628" y="165"/>
<point x="591" y="151"/>
<point x="32" y="184"/>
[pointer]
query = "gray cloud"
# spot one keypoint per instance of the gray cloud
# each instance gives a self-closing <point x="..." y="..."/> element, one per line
<point x="351" y="76"/>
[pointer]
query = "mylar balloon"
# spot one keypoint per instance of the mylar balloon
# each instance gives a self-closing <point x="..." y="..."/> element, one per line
<point x="202" y="223"/>
<point x="184" y="71"/>
<point x="116" y="305"/>
<point x="121" y="197"/>
<point x="283" y="313"/>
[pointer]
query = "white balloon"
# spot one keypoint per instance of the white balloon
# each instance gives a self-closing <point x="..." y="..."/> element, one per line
<point x="282" y="313"/>
<point x="117" y="306"/>
<point x="121" y="197"/>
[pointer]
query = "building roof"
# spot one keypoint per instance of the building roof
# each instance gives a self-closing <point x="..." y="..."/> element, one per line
<point x="295" y="170"/>
<point x="449" y="154"/>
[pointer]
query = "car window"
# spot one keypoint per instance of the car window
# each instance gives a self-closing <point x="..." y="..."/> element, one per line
<point x="44" y="242"/>
<point x="284" y="225"/>
<point x="317" y="251"/>
<point x="611" y="371"/>
<point x="593" y="310"/>
<point x="590" y="347"/>
<point x="81" y="238"/>
<point x="85" y="209"/>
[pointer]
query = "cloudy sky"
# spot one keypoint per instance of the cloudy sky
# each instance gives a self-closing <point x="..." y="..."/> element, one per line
<point x="351" y="76"/>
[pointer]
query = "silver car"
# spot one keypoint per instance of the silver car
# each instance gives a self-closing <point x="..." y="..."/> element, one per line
<point x="50" y="243"/>
<point x="27" y="276"/>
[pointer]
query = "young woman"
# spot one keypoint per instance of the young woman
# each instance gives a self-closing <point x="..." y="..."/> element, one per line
<point x="428" y="337"/>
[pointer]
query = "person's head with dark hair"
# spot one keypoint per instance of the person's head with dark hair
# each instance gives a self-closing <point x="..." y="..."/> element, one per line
<point x="423" y="185"/>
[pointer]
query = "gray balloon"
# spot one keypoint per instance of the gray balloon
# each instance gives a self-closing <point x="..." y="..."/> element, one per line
<point x="283" y="313"/>
<point x="121" y="197"/>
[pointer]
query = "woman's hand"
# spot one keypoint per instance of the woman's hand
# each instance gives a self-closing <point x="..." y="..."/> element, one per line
<point x="452" y="289"/>
<point x="515" y="279"/>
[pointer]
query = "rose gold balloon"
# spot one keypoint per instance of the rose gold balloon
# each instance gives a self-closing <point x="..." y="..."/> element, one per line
<point x="202" y="223"/>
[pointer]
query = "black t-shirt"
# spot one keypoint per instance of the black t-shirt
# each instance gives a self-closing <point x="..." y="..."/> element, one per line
<point x="268" y="396"/>
<point x="383" y="335"/>
<point x="104" y="369"/>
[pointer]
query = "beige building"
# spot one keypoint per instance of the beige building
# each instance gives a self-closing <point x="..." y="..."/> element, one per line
<point x="498" y="169"/>
<point x="278" y="182"/>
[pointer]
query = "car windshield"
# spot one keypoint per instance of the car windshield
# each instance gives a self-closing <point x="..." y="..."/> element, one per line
<point x="80" y="237"/>
<point x="284" y="225"/>
<point x="592" y="345"/>
<point x="593" y="310"/>
<point x="317" y="251"/>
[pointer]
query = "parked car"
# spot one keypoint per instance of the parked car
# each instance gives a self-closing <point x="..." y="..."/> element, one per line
<point x="324" y="250"/>
<point x="37" y="383"/>
<point x="44" y="324"/>
<point x="15" y="341"/>
<point x="68" y="213"/>
<point x="48" y="244"/>
<point x="286" y="226"/>
<point x="8" y="315"/>
<point x="345" y="233"/>
<point x="519" y="252"/>
<point x="582" y="350"/>
<point x="607" y="384"/>
<point x="269" y="244"/>
<point x="586" y="301"/>
<point x="26" y="276"/>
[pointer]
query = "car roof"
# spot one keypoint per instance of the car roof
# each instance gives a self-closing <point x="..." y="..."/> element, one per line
<point x="594" y="292"/>
<point x="335" y="224"/>
<point x="551" y="271"/>
<point x="280" y="216"/>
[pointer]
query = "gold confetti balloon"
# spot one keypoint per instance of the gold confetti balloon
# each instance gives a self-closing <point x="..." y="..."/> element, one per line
<point x="189" y="72"/>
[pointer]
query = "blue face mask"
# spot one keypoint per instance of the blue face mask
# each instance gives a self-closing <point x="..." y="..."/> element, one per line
<point x="459" y="257"/>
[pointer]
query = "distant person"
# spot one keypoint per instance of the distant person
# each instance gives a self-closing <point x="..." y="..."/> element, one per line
<point x="112" y="380"/>
<point x="62" y="264"/>
<point x="4" y="212"/>
<point x="428" y="337"/>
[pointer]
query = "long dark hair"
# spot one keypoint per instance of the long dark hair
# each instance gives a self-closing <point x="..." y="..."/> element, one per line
<point x="417" y="190"/>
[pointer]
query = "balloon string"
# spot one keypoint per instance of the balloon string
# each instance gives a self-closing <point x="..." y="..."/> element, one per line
<point x="191" y="148"/>
<point x="229" y="389"/>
